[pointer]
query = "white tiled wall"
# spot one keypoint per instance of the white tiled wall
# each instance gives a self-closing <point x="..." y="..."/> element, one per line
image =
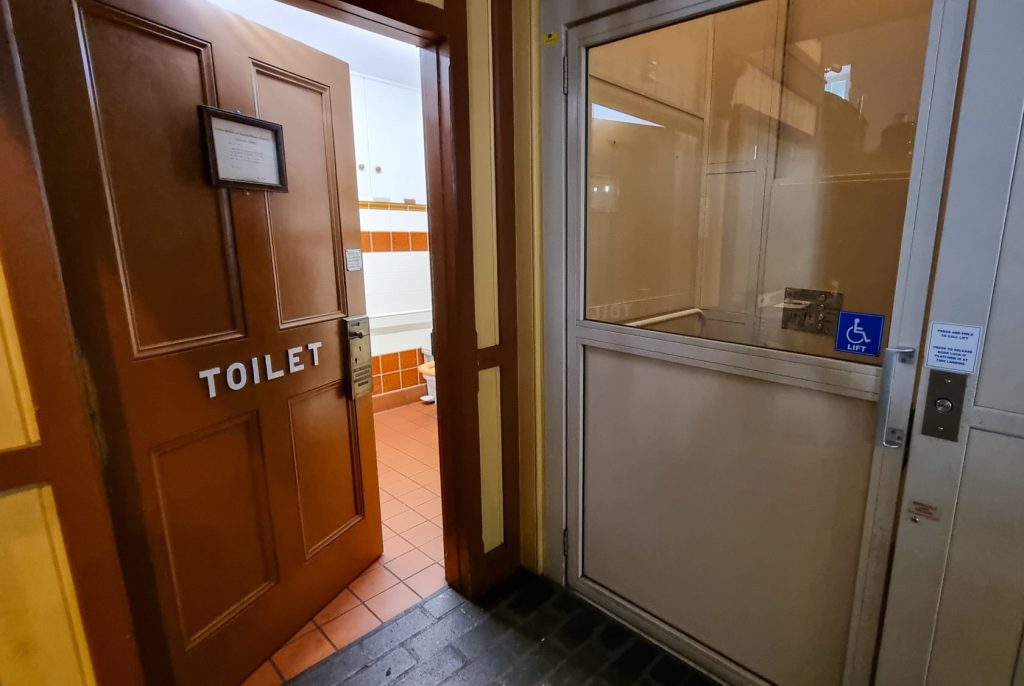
<point x="398" y="300"/>
<point x="392" y="220"/>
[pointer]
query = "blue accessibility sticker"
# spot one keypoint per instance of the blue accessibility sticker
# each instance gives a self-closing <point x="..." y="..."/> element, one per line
<point x="859" y="333"/>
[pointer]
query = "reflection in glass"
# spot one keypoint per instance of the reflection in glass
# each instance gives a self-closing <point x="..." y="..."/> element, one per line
<point x="737" y="155"/>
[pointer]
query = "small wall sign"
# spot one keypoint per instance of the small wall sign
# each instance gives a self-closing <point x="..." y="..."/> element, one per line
<point x="859" y="333"/>
<point x="243" y="152"/>
<point x="953" y="347"/>
<point x="257" y="369"/>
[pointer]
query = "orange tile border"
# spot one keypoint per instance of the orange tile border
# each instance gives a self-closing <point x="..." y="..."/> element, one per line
<point x="394" y="241"/>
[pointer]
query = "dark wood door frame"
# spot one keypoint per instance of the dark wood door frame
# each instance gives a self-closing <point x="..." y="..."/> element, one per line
<point x="67" y="455"/>
<point x="442" y="33"/>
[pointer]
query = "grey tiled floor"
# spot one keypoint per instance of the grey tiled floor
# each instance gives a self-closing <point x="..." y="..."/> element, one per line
<point x="529" y="631"/>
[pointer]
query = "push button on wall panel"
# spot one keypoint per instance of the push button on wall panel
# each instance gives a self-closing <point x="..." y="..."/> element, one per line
<point x="944" y="405"/>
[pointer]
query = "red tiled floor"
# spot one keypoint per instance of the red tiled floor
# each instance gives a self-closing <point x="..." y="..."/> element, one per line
<point x="375" y="580"/>
<point x="420" y="534"/>
<point x="302" y="653"/>
<point x="405" y="520"/>
<point x="342" y="603"/>
<point x="412" y="565"/>
<point x="354" y="624"/>
<point x="406" y="565"/>
<point x="427" y="581"/>
<point x="434" y="549"/>
<point x="266" y="675"/>
<point x="393" y="601"/>
<point x="394" y="547"/>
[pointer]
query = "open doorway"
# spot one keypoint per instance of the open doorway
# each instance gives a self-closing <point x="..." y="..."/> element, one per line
<point x="390" y="170"/>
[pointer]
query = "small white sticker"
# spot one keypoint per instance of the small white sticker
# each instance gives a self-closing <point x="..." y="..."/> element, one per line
<point x="353" y="259"/>
<point x="953" y="347"/>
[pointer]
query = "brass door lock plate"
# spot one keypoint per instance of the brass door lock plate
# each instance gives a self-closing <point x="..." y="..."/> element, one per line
<point x="811" y="311"/>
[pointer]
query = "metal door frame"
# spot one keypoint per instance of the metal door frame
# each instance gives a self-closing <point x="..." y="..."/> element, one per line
<point x="967" y="272"/>
<point x="567" y="332"/>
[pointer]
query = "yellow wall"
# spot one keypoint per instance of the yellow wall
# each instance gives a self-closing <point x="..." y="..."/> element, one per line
<point x="17" y="414"/>
<point x="526" y="97"/>
<point x="485" y="261"/>
<point x="41" y="637"/>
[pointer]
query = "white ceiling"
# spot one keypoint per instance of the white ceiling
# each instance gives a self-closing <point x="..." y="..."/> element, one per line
<point x="365" y="52"/>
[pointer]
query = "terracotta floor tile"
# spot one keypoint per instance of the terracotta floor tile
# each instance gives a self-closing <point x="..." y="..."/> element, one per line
<point x="342" y="603"/>
<point x="404" y="521"/>
<point x="431" y="508"/>
<point x="427" y="581"/>
<point x="394" y="547"/>
<point x="302" y="653"/>
<point x="266" y="675"/>
<point x="431" y="460"/>
<point x="408" y="466"/>
<point x="372" y="582"/>
<point x="306" y="628"/>
<point x="421" y="533"/>
<point x="438" y="521"/>
<point x="350" y="626"/>
<point x="393" y="507"/>
<point x="388" y="533"/>
<point x="434" y="549"/>
<point x="426" y="436"/>
<point x="430" y="480"/>
<point x="387" y="455"/>
<point x="385" y="496"/>
<point x="417" y="497"/>
<point x="392" y="601"/>
<point x="396" y="484"/>
<point x="408" y="564"/>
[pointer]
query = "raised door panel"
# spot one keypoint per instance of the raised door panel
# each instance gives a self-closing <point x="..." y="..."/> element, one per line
<point x="181" y="290"/>
<point x="305" y="225"/>
<point x="212" y="499"/>
<point x="330" y="499"/>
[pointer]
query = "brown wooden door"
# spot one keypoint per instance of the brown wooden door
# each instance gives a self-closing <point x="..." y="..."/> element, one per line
<point x="241" y="514"/>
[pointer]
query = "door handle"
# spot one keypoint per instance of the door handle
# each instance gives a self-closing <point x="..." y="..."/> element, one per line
<point x="892" y="435"/>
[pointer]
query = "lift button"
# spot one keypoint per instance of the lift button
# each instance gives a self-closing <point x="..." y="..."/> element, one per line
<point x="943" y="405"/>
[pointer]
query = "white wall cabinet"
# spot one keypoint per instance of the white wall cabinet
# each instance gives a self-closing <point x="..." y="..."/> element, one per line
<point x="387" y="119"/>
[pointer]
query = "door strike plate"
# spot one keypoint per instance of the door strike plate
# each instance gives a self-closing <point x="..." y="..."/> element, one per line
<point x="360" y="368"/>
<point x="811" y="311"/>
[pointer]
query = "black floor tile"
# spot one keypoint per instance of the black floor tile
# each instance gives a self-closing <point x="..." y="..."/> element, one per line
<point x="526" y="632"/>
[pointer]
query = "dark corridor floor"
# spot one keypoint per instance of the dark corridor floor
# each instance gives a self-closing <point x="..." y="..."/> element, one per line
<point x="529" y="631"/>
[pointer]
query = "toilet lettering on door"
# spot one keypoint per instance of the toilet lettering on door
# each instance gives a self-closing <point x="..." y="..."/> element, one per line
<point x="238" y="375"/>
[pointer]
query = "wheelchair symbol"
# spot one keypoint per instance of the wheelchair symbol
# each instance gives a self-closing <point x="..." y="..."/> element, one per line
<point x="856" y="335"/>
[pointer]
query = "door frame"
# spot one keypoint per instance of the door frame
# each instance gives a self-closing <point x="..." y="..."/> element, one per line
<point x="582" y="23"/>
<point x="67" y="456"/>
<point x="979" y="223"/>
<point x="442" y="35"/>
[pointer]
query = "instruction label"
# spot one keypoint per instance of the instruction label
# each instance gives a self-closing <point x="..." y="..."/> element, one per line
<point x="953" y="347"/>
